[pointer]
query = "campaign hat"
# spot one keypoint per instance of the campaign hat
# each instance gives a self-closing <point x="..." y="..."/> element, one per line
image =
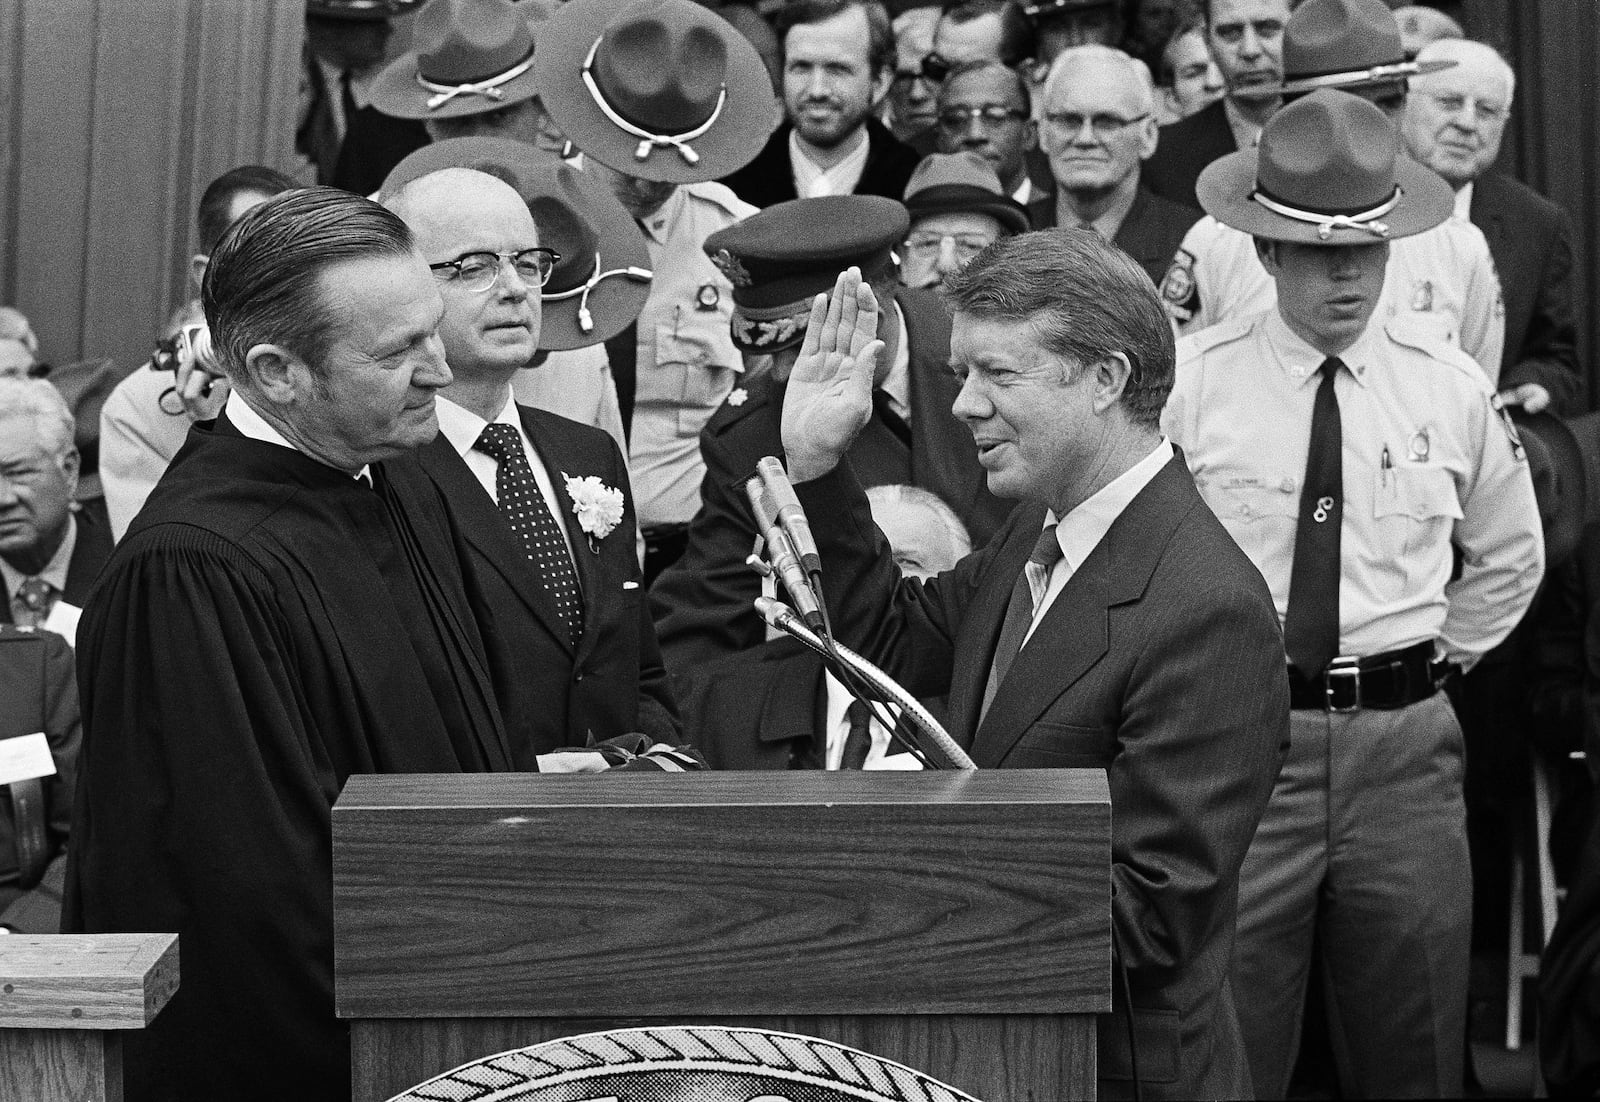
<point x="1343" y="44"/>
<point x="470" y="57"/>
<point x="1560" y="467"/>
<point x="662" y="90"/>
<point x="602" y="279"/>
<point x="1328" y="171"/>
<point x="961" y="183"/>
<point x="780" y="258"/>
<point x="360" y="11"/>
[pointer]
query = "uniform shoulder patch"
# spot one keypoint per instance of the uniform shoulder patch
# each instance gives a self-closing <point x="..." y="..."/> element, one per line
<point x="1180" y="292"/>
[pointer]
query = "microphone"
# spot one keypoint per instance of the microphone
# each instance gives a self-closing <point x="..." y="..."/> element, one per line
<point x="790" y="515"/>
<point x="781" y="553"/>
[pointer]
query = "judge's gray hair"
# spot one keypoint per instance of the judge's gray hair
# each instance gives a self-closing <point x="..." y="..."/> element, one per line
<point x="39" y="400"/>
<point x="263" y="287"/>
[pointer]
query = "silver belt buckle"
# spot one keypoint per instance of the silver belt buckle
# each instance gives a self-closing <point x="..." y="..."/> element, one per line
<point x="1343" y="666"/>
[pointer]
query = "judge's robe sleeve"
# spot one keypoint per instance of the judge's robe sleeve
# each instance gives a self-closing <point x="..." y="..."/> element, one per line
<point x="204" y="809"/>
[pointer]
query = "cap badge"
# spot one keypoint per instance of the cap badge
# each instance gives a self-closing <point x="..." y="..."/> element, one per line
<point x="729" y="265"/>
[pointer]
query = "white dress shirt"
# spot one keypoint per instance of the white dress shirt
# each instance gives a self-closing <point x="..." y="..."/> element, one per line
<point x="462" y="428"/>
<point x="811" y="180"/>
<point x="884" y="753"/>
<point x="251" y="424"/>
<point x="54" y="572"/>
<point x="1081" y="530"/>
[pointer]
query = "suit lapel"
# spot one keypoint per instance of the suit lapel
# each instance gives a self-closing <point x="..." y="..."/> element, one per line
<point x="481" y="524"/>
<point x="1075" y="631"/>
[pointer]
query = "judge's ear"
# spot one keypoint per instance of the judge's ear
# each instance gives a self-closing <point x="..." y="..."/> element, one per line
<point x="197" y="270"/>
<point x="277" y="374"/>
<point x="1111" y="377"/>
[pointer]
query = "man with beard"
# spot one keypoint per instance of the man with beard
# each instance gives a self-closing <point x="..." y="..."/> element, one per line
<point x="838" y="63"/>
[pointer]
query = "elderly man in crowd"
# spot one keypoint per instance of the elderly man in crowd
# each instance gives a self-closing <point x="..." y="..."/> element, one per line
<point x="779" y="260"/>
<point x="1098" y="128"/>
<point x="1454" y="121"/>
<point x="838" y="63"/>
<point x="468" y="74"/>
<point x="270" y="624"/>
<point x="777" y="707"/>
<point x="909" y="109"/>
<point x="1245" y="38"/>
<point x="1111" y="624"/>
<point x="51" y="546"/>
<point x="675" y="364"/>
<point x="984" y="108"/>
<point x="1440" y="283"/>
<point x="572" y="655"/>
<point x="958" y="209"/>
<point x="146" y="418"/>
<point x="1371" y="478"/>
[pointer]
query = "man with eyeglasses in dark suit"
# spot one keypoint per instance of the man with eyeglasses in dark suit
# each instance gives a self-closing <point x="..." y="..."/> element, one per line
<point x="1098" y="129"/>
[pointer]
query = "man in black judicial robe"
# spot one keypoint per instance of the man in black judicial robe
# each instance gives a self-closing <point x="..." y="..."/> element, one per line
<point x="272" y="623"/>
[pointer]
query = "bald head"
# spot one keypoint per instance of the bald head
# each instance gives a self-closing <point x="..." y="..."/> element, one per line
<point x="488" y="333"/>
<point x="1455" y="118"/>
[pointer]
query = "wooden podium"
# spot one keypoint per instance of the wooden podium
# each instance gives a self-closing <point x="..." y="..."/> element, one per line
<point x="958" y="923"/>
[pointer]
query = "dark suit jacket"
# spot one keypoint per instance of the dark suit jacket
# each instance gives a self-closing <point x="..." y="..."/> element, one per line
<point x="1184" y="149"/>
<point x="89" y="554"/>
<point x="1530" y="239"/>
<point x="768" y="179"/>
<point x="1160" y="662"/>
<point x="1151" y="233"/>
<point x="758" y="709"/>
<point x="549" y="695"/>
<point x="702" y="603"/>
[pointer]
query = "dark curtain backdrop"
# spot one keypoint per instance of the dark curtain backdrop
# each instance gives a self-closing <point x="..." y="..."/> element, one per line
<point x="1552" y="141"/>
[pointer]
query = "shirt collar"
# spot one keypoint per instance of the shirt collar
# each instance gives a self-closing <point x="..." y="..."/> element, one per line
<point x="1246" y="134"/>
<point x="243" y="416"/>
<point x="897" y="384"/>
<point x="1024" y="193"/>
<point x="1463" y="209"/>
<point x="1301" y="362"/>
<point x="1081" y="530"/>
<point x="462" y="427"/>
<point x="660" y="225"/>
<point x="54" y="572"/>
<point x="841" y="179"/>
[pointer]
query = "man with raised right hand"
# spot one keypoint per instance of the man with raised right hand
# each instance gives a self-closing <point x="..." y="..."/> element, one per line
<point x="1112" y="623"/>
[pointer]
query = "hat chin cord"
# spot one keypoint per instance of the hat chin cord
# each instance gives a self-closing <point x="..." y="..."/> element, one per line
<point x="488" y="88"/>
<point x="1365" y="221"/>
<point x="585" y="318"/>
<point x="649" y="142"/>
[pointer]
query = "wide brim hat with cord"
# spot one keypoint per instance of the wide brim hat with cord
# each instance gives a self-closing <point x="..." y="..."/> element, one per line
<point x="1328" y="171"/>
<point x="601" y="282"/>
<point x="781" y="258"/>
<point x="661" y="90"/>
<point x="1559" y="466"/>
<point x="361" y="11"/>
<point x="470" y="57"/>
<point x="1343" y="44"/>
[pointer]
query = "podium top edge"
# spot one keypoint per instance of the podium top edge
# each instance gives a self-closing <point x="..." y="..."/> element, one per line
<point x="730" y="789"/>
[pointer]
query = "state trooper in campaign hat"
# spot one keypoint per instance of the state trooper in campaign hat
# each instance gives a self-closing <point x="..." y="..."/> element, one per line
<point x="1441" y="283"/>
<point x="1357" y="463"/>
<point x="782" y="258"/>
<point x="663" y="97"/>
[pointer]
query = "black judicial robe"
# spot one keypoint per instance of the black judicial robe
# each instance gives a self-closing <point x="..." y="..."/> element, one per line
<point x="267" y="627"/>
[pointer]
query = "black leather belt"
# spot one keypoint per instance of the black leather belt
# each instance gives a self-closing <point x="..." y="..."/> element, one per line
<point x="1393" y="679"/>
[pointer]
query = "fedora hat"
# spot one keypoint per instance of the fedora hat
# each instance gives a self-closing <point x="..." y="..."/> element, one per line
<point x="962" y="183"/>
<point x="471" y="57"/>
<point x="663" y="90"/>
<point x="1559" y="465"/>
<point x="1328" y="171"/>
<point x="603" y="277"/>
<point x="1343" y="44"/>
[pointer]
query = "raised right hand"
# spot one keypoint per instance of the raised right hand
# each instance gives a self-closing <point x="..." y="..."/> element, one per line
<point x="829" y="397"/>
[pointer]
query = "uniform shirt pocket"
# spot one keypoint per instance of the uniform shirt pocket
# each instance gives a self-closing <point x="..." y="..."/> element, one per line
<point x="1414" y="509"/>
<point x="696" y="365"/>
<point x="1260" y="515"/>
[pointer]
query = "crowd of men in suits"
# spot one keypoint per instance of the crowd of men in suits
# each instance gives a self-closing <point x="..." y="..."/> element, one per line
<point x="1175" y="391"/>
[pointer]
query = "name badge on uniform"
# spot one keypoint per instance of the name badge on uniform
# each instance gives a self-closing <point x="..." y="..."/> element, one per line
<point x="1418" y="446"/>
<point x="708" y="297"/>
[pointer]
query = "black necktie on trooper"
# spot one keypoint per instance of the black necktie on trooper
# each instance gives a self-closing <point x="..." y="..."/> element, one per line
<point x="1311" y="626"/>
<point x="524" y="509"/>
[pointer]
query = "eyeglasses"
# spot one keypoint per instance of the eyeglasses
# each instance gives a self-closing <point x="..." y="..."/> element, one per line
<point x="927" y="246"/>
<point x="992" y="114"/>
<point x="1102" y="125"/>
<point x="1451" y="103"/>
<point x="480" y="271"/>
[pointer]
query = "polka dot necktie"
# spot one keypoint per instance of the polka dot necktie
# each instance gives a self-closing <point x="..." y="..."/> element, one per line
<point x="524" y="509"/>
<point x="31" y="606"/>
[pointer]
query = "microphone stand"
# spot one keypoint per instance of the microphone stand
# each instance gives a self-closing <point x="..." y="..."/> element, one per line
<point x="782" y="617"/>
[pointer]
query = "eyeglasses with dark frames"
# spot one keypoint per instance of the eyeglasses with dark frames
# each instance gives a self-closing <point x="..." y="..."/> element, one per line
<point x="480" y="271"/>
<point x="959" y="117"/>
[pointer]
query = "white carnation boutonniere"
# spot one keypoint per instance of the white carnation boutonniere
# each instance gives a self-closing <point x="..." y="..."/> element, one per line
<point x="598" y="506"/>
